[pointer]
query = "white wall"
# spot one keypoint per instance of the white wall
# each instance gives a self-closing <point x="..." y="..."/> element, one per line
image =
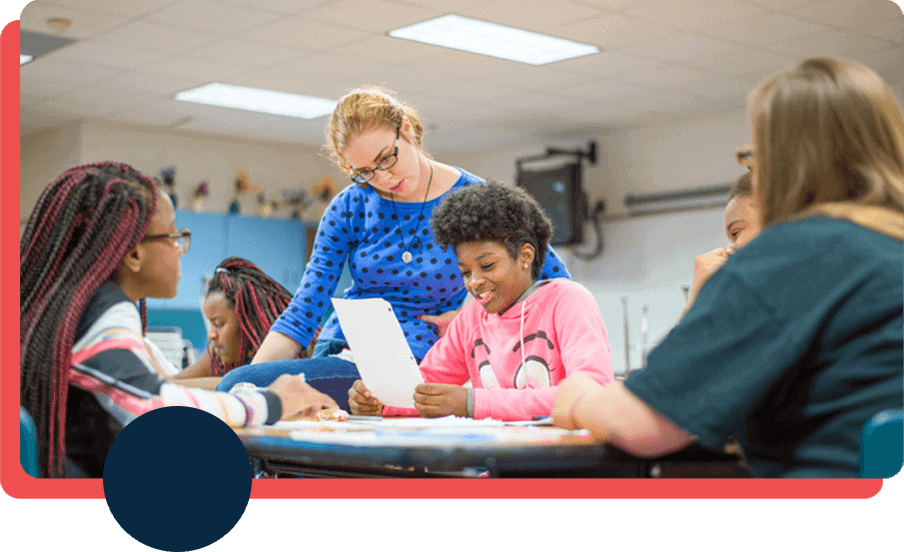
<point x="274" y="166"/>
<point x="43" y="156"/>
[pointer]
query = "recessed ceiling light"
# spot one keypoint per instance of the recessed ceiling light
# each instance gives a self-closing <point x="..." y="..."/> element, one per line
<point x="258" y="99"/>
<point x="23" y="59"/>
<point x="472" y="35"/>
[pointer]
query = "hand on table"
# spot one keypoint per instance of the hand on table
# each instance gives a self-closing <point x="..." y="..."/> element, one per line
<point x="298" y="397"/>
<point x="361" y="403"/>
<point x="571" y="390"/>
<point x="434" y="400"/>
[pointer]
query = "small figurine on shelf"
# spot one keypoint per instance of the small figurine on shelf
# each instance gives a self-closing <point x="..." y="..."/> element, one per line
<point x="168" y="177"/>
<point x="264" y="207"/>
<point x="200" y="193"/>
<point x="298" y="199"/>
<point x="322" y="192"/>
<point x="242" y="187"/>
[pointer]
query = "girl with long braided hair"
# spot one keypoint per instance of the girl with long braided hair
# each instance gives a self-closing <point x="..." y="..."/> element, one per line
<point x="101" y="238"/>
<point x="241" y="304"/>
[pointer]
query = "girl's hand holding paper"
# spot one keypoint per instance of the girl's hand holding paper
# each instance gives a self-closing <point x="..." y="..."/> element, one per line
<point x="433" y="400"/>
<point x="361" y="402"/>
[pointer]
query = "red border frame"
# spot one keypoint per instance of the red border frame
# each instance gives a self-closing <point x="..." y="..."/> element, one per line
<point x="439" y="514"/>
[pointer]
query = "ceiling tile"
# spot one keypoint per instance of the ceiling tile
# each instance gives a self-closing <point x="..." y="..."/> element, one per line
<point x="539" y="79"/>
<point x="85" y="22"/>
<point x="748" y="64"/>
<point x="290" y="7"/>
<point x="371" y="15"/>
<point x="609" y="93"/>
<point x="391" y="50"/>
<point x="616" y="5"/>
<point x="445" y="113"/>
<point x="768" y="29"/>
<point x="533" y="15"/>
<point x="682" y="48"/>
<point x="694" y="15"/>
<point x="106" y="97"/>
<point x="211" y="17"/>
<point x="59" y="76"/>
<point x="691" y="82"/>
<point x="467" y="65"/>
<point x="444" y="5"/>
<point x="248" y="54"/>
<point x="782" y="5"/>
<point x="310" y="75"/>
<point x="144" y="35"/>
<point x="110" y="6"/>
<point x="887" y="61"/>
<point x="847" y="13"/>
<point x="612" y="32"/>
<point x="105" y="54"/>
<point x="831" y="43"/>
<point x="890" y="29"/>
<point x="158" y="83"/>
<point x="609" y="65"/>
<point x="305" y="33"/>
<point x="201" y="69"/>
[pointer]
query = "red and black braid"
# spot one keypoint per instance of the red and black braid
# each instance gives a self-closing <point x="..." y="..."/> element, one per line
<point x="82" y="227"/>
<point x="257" y="300"/>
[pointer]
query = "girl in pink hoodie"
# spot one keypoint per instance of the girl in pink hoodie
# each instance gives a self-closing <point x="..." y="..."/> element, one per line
<point x="519" y="337"/>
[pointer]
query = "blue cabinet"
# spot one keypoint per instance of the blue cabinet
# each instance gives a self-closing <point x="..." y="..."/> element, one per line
<point x="208" y="248"/>
<point x="277" y="246"/>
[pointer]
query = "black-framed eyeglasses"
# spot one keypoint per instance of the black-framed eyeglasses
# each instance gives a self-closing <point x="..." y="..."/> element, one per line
<point x="182" y="237"/>
<point x="746" y="156"/>
<point x="365" y="176"/>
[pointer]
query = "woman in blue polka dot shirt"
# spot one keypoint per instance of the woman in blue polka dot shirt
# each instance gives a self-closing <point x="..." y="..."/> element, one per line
<point x="380" y="226"/>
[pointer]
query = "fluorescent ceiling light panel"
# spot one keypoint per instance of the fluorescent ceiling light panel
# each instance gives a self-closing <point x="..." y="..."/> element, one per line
<point x="23" y="59"/>
<point x="258" y="99"/>
<point x="489" y="39"/>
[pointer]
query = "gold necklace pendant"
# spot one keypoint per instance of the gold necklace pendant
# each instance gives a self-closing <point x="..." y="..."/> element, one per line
<point x="416" y="243"/>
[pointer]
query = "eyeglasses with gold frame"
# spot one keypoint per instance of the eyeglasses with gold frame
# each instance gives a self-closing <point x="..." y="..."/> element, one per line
<point x="182" y="239"/>
<point x="746" y="156"/>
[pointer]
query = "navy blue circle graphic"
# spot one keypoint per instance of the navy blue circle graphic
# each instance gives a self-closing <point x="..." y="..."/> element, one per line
<point x="177" y="479"/>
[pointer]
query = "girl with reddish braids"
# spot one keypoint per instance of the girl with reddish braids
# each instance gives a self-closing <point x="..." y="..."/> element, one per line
<point x="101" y="238"/>
<point x="241" y="304"/>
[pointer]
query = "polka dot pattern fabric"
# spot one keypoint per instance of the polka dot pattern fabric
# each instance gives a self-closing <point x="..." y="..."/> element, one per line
<point x="362" y="228"/>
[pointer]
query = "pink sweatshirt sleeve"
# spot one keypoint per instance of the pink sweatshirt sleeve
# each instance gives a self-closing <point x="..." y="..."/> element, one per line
<point x="582" y="342"/>
<point x="443" y="363"/>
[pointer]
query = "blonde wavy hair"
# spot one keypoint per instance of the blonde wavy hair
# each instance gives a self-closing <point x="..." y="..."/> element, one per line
<point x="826" y="130"/>
<point x="363" y="109"/>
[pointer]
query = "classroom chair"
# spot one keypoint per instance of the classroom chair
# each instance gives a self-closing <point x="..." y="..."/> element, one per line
<point x="28" y="443"/>
<point x="882" y="445"/>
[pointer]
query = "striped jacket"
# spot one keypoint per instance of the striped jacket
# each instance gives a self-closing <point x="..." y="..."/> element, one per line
<point x="113" y="380"/>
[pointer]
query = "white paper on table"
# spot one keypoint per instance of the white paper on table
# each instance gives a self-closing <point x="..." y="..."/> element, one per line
<point x="382" y="354"/>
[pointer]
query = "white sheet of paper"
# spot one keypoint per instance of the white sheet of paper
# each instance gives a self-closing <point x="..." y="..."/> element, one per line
<point x="382" y="354"/>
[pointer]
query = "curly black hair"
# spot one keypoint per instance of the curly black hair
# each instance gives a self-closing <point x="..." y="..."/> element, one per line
<point x="494" y="212"/>
<point x="742" y="187"/>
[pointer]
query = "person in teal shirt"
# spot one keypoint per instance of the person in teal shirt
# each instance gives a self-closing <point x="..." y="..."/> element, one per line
<point x="798" y="340"/>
